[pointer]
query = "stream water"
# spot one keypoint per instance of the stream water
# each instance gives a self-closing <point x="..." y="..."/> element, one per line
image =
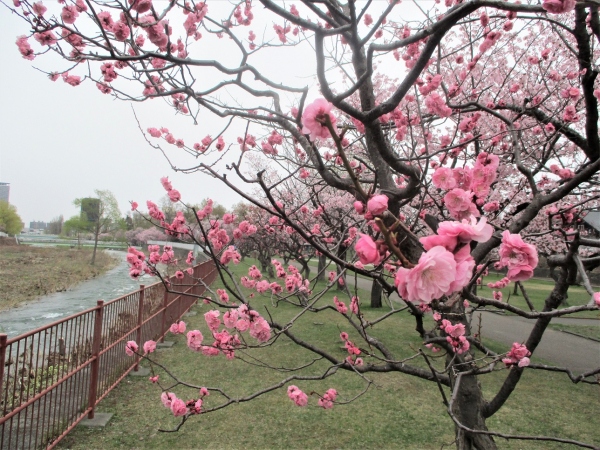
<point x="50" y="308"/>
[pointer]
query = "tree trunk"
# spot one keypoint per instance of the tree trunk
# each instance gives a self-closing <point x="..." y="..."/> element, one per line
<point x="96" y="235"/>
<point x="468" y="409"/>
<point x="376" y="291"/>
<point x="468" y="406"/>
<point x="321" y="268"/>
<point x="516" y="290"/>
<point x="305" y="269"/>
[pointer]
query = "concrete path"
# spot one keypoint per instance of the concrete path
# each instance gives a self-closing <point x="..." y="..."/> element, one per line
<point x="561" y="349"/>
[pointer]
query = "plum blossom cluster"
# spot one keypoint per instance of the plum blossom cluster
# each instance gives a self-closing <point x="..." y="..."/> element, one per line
<point x="297" y="396"/>
<point x="464" y="184"/>
<point x="519" y="257"/>
<point x="500" y="284"/>
<point x="353" y="351"/>
<point x="447" y="265"/>
<point x="138" y="266"/>
<point x="301" y="399"/>
<point x="340" y="306"/>
<point x="370" y="251"/>
<point x="314" y="119"/>
<point x="180" y="407"/>
<point x="376" y="206"/>
<point x="518" y="355"/>
<point x="455" y="335"/>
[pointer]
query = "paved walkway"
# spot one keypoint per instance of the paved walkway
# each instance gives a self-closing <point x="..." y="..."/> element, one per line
<point x="561" y="349"/>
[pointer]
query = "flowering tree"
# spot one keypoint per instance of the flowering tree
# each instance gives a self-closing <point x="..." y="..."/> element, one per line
<point x="487" y="143"/>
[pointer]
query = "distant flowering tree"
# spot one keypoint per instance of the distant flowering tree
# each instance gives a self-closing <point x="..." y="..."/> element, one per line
<point x="485" y="152"/>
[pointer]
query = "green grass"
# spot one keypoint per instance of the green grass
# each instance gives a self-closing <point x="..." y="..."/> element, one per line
<point x="399" y="411"/>
<point x="583" y="330"/>
<point x="538" y="291"/>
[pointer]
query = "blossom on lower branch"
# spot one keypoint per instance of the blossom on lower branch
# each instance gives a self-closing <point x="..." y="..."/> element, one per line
<point x="298" y="397"/>
<point x="518" y="354"/>
<point x="456" y="336"/>
<point x="131" y="348"/>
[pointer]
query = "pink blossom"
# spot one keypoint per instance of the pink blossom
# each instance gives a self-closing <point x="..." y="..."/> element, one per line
<point x="314" y="117"/>
<point x="242" y="325"/>
<point x="597" y="298"/>
<point x="149" y="346"/>
<point x="39" y="8"/>
<point x="458" y="200"/>
<point x="448" y="242"/>
<point x="377" y="205"/>
<point x="443" y="178"/>
<point x="299" y="397"/>
<point x="491" y="206"/>
<point x="230" y="318"/>
<point x="212" y="319"/>
<point x="431" y="278"/>
<point x="178" y="407"/>
<point x="464" y="272"/>
<point x="167" y="399"/>
<point x="25" y="48"/>
<point x="174" y="195"/>
<point x="177" y="328"/>
<point x="69" y="14"/>
<point x="45" y="38"/>
<point x="194" y="340"/>
<point x="121" y="30"/>
<point x="260" y="330"/>
<point x="520" y="258"/>
<point x="131" y="348"/>
<point x="518" y="354"/>
<point x="467" y="231"/>
<point x="558" y="6"/>
<point x="436" y="105"/>
<point x="366" y="249"/>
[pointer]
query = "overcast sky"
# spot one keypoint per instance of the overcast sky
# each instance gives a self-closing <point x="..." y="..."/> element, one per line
<point x="59" y="142"/>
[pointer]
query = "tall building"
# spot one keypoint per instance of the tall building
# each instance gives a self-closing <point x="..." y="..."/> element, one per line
<point x="4" y="191"/>
<point x="38" y="225"/>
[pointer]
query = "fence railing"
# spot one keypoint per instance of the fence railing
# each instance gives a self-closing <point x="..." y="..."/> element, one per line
<point x="54" y="376"/>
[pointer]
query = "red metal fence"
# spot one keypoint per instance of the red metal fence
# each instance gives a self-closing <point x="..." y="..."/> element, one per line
<point x="52" y="377"/>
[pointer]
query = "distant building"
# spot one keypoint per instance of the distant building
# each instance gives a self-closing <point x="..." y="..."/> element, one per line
<point x="4" y="191"/>
<point x="38" y="225"/>
<point x="591" y="224"/>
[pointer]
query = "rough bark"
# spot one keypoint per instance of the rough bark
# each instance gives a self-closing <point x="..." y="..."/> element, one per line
<point x="321" y="268"/>
<point x="376" y="291"/>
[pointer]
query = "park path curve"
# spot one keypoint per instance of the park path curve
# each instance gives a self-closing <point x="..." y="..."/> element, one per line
<point x="557" y="348"/>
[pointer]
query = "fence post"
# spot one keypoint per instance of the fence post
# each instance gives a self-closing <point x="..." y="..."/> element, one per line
<point x="95" y="366"/>
<point x="3" y="339"/>
<point x="139" y="326"/>
<point x="163" y="329"/>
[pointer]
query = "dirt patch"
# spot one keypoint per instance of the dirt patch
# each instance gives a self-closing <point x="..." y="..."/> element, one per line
<point x="28" y="272"/>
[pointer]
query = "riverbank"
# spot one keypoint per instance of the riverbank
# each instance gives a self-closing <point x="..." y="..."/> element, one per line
<point x="28" y="272"/>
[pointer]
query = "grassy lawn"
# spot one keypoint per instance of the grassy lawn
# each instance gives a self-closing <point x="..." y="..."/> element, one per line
<point x="27" y="272"/>
<point x="538" y="290"/>
<point x="399" y="411"/>
<point x="583" y="330"/>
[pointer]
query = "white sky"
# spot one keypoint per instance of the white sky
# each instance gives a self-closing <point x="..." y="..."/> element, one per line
<point x="59" y="142"/>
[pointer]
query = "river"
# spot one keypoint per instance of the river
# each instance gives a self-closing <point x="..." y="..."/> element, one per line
<point x="49" y="308"/>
